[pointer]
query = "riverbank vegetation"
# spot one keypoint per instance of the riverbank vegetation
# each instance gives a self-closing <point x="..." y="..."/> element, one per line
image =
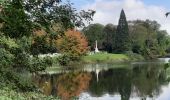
<point x="29" y="28"/>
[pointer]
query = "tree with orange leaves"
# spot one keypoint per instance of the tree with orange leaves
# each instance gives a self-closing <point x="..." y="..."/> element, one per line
<point x="73" y="43"/>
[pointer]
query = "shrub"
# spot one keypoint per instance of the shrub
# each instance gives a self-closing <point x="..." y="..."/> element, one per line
<point x="48" y="60"/>
<point x="64" y="59"/>
<point x="37" y="64"/>
<point x="134" y="56"/>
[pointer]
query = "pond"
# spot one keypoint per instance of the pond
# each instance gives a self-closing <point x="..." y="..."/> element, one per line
<point x="135" y="81"/>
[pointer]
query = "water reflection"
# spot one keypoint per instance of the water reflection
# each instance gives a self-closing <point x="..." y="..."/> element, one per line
<point x="142" y="81"/>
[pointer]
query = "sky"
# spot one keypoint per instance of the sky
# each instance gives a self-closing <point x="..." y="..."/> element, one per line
<point x="108" y="11"/>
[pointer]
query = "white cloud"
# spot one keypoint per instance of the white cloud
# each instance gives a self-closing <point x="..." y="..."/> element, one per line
<point x="108" y="11"/>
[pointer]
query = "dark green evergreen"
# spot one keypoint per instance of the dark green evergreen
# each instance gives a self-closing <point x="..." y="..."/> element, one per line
<point x="122" y="39"/>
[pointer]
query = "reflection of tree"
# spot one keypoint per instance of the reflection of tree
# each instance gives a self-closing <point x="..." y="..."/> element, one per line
<point x="112" y="81"/>
<point x="44" y="83"/>
<point x="147" y="80"/>
<point x="143" y="81"/>
<point x="72" y="84"/>
<point x="64" y="85"/>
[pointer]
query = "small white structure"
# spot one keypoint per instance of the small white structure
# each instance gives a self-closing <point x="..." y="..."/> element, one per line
<point x="96" y="49"/>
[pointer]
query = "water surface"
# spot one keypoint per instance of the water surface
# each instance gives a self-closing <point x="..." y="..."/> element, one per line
<point x="135" y="81"/>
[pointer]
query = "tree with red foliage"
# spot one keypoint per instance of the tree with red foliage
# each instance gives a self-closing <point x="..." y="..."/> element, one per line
<point x="73" y="43"/>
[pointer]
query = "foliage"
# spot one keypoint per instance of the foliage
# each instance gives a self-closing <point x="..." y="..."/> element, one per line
<point x="148" y="39"/>
<point x="108" y="38"/>
<point x="72" y="84"/>
<point x="16" y="23"/>
<point x="134" y="56"/>
<point x="73" y="44"/>
<point x="64" y="59"/>
<point x="122" y="39"/>
<point x="39" y="64"/>
<point x="94" y="32"/>
<point x="19" y="19"/>
<point x="8" y="94"/>
<point x="40" y="46"/>
<point x="7" y="42"/>
<point x="50" y="12"/>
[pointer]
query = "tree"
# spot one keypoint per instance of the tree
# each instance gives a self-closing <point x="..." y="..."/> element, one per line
<point x="46" y="13"/>
<point x="147" y="38"/>
<point x="122" y="39"/>
<point x="108" y="38"/>
<point x="138" y="34"/>
<point x="94" y="32"/>
<point x="73" y="43"/>
<point x="21" y="17"/>
<point x="16" y="23"/>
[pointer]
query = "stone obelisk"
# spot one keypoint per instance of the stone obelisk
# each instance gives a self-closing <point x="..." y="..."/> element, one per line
<point x="96" y="49"/>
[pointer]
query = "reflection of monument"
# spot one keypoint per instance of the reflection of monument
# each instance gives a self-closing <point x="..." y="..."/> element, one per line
<point x="97" y="70"/>
<point x="96" y="49"/>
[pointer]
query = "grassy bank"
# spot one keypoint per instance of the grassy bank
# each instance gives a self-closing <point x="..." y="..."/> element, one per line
<point x="112" y="58"/>
<point x="105" y="57"/>
<point x="8" y="94"/>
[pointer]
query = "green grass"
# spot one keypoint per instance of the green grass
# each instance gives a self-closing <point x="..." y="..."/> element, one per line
<point x="105" y="57"/>
<point x="8" y="94"/>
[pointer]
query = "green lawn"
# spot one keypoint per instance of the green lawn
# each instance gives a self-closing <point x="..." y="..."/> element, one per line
<point x="105" y="57"/>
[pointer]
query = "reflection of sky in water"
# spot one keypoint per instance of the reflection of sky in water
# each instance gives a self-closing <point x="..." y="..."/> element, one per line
<point x="165" y="95"/>
<point x="86" y="96"/>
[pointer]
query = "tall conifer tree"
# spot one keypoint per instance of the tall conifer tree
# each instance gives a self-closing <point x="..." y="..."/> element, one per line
<point x="122" y="39"/>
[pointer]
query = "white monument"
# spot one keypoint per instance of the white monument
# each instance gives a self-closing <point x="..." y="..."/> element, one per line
<point x="96" y="49"/>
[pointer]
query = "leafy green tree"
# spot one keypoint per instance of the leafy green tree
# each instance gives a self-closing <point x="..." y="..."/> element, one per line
<point x="18" y="20"/>
<point x="163" y="41"/>
<point x="147" y="38"/>
<point x="138" y="35"/>
<point x="108" y="38"/>
<point x="21" y="17"/>
<point x="16" y="23"/>
<point x="94" y="32"/>
<point x="46" y="13"/>
<point x="122" y="39"/>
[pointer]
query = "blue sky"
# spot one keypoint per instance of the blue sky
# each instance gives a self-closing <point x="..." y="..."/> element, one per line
<point x="108" y="11"/>
<point x="165" y="3"/>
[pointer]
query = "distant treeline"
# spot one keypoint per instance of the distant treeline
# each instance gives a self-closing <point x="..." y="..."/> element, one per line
<point x="146" y="38"/>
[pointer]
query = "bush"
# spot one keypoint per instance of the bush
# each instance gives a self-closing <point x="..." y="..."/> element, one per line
<point x="134" y="56"/>
<point x="64" y="59"/>
<point x="37" y="64"/>
<point x="48" y="60"/>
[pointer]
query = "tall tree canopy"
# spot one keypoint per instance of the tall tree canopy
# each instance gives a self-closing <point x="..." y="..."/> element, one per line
<point x="94" y="32"/>
<point x="19" y="16"/>
<point x="103" y="34"/>
<point x="108" y="38"/>
<point x="147" y="38"/>
<point x="73" y="43"/>
<point x="122" y="39"/>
